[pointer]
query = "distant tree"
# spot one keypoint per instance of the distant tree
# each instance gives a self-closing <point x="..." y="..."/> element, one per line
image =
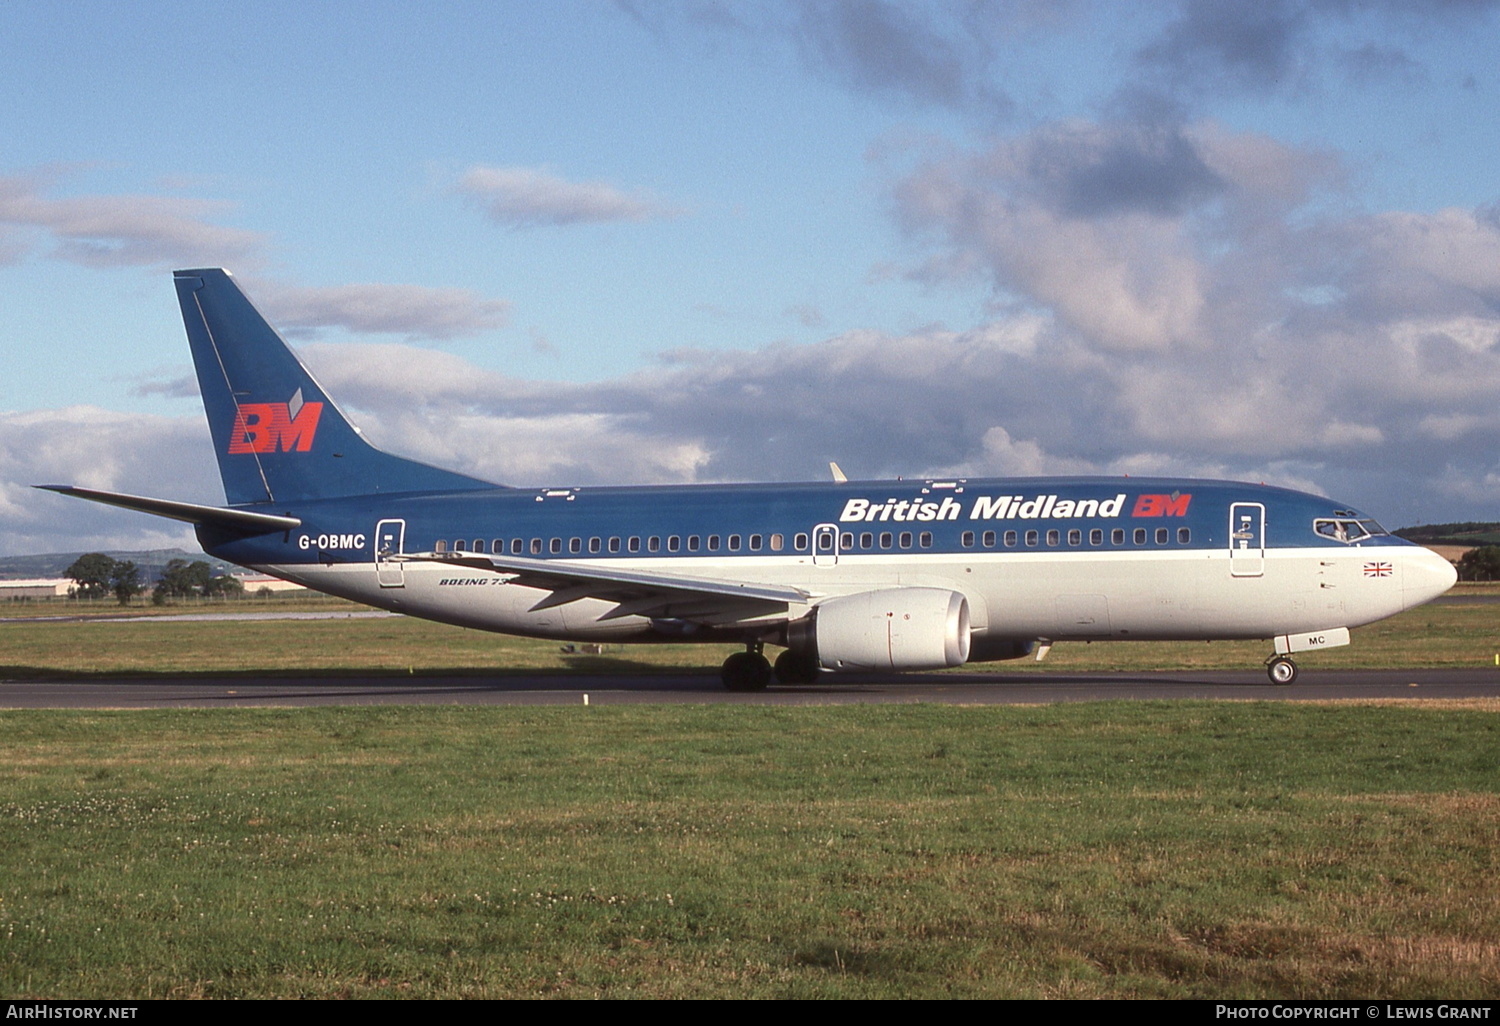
<point x="181" y="579"/>
<point x="225" y="586"/>
<point x="1481" y="564"/>
<point x="126" y="582"/>
<point x="94" y="573"/>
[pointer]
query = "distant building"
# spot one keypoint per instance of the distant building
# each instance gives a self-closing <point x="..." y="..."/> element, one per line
<point x="255" y="582"/>
<point x="36" y="587"/>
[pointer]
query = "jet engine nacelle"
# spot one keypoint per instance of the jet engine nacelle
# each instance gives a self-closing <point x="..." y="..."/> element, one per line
<point x="891" y="629"/>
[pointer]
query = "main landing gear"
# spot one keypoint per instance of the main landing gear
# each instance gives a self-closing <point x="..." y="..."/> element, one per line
<point x="1281" y="670"/>
<point x="747" y="670"/>
<point x="750" y="671"/>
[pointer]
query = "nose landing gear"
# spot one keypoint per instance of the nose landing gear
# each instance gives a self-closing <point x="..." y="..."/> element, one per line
<point x="1281" y="670"/>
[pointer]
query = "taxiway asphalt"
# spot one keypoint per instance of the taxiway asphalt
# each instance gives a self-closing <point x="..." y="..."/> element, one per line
<point x="617" y="689"/>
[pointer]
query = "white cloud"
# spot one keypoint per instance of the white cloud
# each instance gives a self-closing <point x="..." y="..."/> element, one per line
<point x="416" y="311"/>
<point x="525" y="197"/>
<point x="82" y="445"/>
<point x="110" y="231"/>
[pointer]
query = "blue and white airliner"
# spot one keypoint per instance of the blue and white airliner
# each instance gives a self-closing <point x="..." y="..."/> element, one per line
<point x="845" y="576"/>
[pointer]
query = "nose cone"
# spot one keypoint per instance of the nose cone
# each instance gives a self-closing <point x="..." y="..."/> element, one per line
<point x="1424" y="576"/>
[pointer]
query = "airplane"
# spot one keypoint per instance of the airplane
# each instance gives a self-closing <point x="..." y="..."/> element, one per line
<point x="845" y="576"/>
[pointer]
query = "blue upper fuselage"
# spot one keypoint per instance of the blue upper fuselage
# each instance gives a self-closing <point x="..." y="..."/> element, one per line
<point x="934" y="516"/>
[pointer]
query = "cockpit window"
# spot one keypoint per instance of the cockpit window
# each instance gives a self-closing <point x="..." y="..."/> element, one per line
<point x="1347" y="530"/>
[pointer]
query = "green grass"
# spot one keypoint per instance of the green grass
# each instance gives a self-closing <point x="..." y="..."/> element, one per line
<point x="1104" y="850"/>
<point x="1109" y="850"/>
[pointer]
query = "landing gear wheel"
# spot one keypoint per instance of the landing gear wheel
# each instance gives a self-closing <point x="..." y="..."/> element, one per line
<point x="745" y="671"/>
<point x="796" y="668"/>
<point x="1282" y="671"/>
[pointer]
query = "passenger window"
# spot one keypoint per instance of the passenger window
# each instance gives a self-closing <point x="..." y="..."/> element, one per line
<point x="966" y="539"/>
<point x="1096" y="537"/>
<point x="653" y="544"/>
<point x="925" y="539"/>
<point x="575" y="544"/>
<point x="1184" y="536"/>
<point x="497" y="546"/>
<point x="555" y="545"/>
<point x="673" y="542"/>
<point x="1010" y="539"/>
<point x="517" y="546"/>
<point x="634" y="545"/>
<point x="906" y="539"/>
<point x="1140" y="536"/>
<point x="1161" y="535"/>
<point x="755" y="542"/>
<point x="777" y="542"/>
<point x="846" y="542"/>
<point x="594" y="544"/>
<point x="734" y="543"/>
<point x="1032" y="537"/>
<point x="441" y="546"/>
<point x="1117" y="536"/>
<point x="458" y="546"/>
<point x="692" y="543"/>
<point x="989" y="539"/>
<point x="536" y="546"/>
<point x="478" y="544"/>
<point x="614" y="544"/>
<point x="1052" y="537"/>
<point x="1075" y="536"/>
<point x="886" y="538"/>
<point x="867" y="540"/>
<point x="799" y="543"/>
<point x="713" y="543"/>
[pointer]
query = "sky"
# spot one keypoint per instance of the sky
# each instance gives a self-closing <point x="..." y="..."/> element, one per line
<point x="586" y="243"/>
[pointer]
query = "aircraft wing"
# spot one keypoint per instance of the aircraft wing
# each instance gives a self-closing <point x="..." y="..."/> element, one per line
<point x="637" y="592"/>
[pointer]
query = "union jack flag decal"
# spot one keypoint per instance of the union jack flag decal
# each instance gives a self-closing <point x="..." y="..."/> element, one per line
<point x="1379" y="569"/>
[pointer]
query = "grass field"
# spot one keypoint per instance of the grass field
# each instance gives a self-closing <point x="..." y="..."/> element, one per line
<point x="1113" y="850"/>
<point x="1185" y="849"/>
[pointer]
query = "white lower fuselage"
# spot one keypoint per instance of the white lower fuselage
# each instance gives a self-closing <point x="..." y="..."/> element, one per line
<point x="1192" y="594"/>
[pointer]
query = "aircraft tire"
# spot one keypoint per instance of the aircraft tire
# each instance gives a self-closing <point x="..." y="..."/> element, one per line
<point x="1282" y="671"/>
<point x="794" y="667"/>
<point x="746" y="671"/>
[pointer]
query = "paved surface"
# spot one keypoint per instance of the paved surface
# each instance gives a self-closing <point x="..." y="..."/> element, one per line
<point x="606" y="689"/>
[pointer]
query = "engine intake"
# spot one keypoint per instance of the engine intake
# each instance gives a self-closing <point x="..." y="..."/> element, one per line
<point x="890" y="629"/>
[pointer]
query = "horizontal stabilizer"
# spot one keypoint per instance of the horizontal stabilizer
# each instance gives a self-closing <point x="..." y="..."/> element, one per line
<point x="241" y="520"/>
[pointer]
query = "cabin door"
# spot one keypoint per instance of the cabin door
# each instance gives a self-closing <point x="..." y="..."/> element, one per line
<point x="1247" y="539"/>
<point x="390" y="541"/>
<point x="825" y="545"/>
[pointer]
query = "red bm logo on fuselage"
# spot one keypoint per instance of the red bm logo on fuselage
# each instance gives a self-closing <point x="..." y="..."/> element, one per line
<point x="275" y="427"/>
<point x="1174" y="505"/>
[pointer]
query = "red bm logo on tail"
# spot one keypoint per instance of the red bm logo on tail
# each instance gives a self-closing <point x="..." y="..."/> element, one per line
<point x="273" y="427"/>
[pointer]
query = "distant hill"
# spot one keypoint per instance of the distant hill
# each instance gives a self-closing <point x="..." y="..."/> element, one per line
<point x="1469" y="533"/>
<point x="52" y="564"/>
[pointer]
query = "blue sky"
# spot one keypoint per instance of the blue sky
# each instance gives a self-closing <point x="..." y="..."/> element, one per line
<point x="659" y="242"/>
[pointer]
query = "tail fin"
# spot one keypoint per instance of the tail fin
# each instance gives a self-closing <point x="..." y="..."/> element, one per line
<point x="278" y="435"/>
